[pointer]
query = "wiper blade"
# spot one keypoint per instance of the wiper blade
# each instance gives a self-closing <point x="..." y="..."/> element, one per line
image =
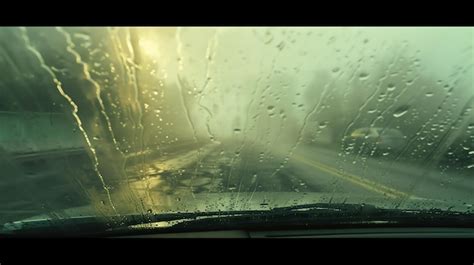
<point x="329" y="207"/>
<point x="307" y="214"/>
<point x="138" y="219"/>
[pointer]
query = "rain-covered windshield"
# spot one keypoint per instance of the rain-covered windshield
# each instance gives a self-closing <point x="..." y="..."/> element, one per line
<point x="115" y="121"/>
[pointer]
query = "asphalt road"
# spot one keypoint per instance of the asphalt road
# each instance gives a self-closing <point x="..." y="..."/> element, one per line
<point x="157" y="181"/>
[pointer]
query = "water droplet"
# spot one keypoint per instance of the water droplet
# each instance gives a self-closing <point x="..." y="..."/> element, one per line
<point x="363" y="76"/>
<point x="470" y="126"/>
<point x="323" y="124"/>
<point x="470" y="166"/>
<point x="382" y="97"/>
<point x="371" y="110"/>
<point x="400" y="111"/>
<point x="429" y="94"/>
<point x="102" y="202"/>
<point x="149" y="211"/>
<point x="391" y="87"/>
<point x="386" y="154"/>
<point x="82" y="36"/>
<point x="96" y="138"/>
<point x="237" y="130"/>
<point x="281" y="45"/>
<point x="270" y="107"/>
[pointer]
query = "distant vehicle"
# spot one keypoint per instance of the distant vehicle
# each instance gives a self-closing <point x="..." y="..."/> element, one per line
<point x="378" y="140"/>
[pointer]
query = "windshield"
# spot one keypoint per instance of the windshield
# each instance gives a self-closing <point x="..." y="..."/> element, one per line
<point x="103" y="122"/>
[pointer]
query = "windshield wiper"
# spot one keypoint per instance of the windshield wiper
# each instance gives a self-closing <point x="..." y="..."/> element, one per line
<point x="299" y="216"/>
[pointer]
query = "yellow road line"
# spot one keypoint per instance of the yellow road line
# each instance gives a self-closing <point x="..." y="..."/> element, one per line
<point x="365" y="183"/>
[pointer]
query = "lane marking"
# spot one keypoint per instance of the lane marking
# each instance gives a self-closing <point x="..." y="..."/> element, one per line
<point x="365" y="183"/>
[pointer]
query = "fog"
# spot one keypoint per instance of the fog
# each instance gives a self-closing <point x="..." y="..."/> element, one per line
<point x="137" y="89"/>
<point x="124" y="117"/>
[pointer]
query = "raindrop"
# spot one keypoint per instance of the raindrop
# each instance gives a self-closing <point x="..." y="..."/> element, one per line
<point x="400" y="111"/>
<point x="149" y="211"/>
<point x="470" y="166"/>
<point x="270" y="108"/>
<point x="323" y="124"/>
<point x="371" y="110"/>
<point x="382" y="97"/>
<point x="470" y="126"/>
<point x="237" y="130"/>
<point x="429" y="94"/>
<point x="363" y="76"/>
<point x="82" y="36"/>
<point x="281" y="45"/>
<point x="391" y="87"/>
